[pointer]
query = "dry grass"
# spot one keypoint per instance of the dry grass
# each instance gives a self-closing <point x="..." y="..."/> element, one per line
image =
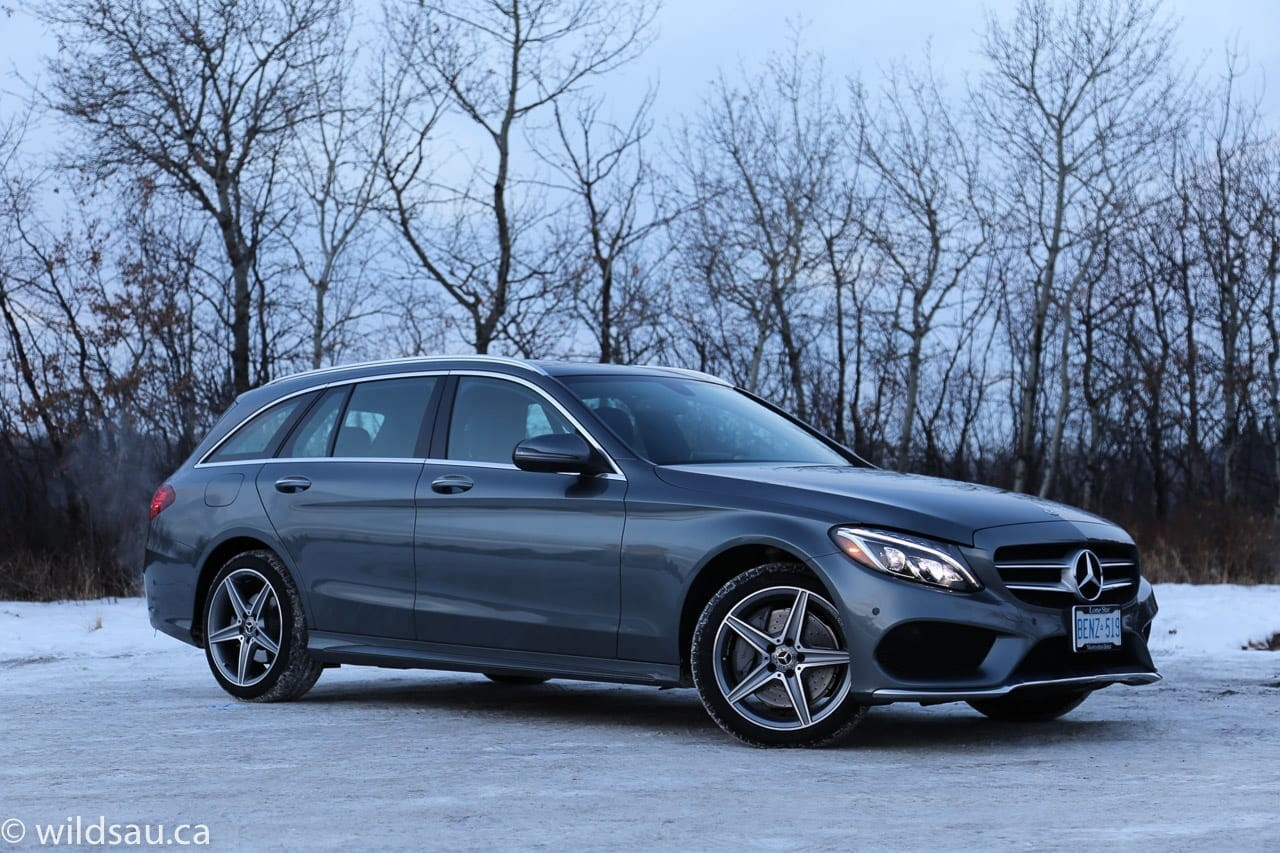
<point x="27" y="576"/>
<point x="1212" y="546"/>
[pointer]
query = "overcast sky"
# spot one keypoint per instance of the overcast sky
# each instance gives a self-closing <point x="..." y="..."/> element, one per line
<point x="857" y="36"/>
<point x="699" y="37"/>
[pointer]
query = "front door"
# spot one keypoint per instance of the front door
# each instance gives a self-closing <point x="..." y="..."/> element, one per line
<point x="508" y="558"/>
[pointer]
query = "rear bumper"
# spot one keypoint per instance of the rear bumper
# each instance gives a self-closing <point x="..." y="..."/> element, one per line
<point x="170" y="586"/>
<point x="930" y="646"/>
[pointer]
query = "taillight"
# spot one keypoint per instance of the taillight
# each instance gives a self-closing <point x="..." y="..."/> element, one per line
<point x="161" y="500"/>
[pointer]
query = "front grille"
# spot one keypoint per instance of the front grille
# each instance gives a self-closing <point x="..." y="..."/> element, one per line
<point x="1043" y="575"/>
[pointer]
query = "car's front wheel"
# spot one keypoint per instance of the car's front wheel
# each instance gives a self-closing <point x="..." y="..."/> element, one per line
<point x="1034" y="708"/>
<point x="771" y="661"/>
<point x="255" y="631"/>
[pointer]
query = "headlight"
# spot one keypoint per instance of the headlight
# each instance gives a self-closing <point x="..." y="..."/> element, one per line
<point x="905" y="557"/>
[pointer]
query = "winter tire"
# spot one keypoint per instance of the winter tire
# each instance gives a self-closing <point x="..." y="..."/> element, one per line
<point x="255" y="631"/>
<point x="771" y="662"/>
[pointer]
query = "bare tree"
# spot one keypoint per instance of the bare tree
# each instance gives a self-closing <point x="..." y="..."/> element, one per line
<point x="205" y="95"/>
<point x="334" y="174"/>
<point x="61" y="389"/>
<point x="616" y="208"/>
<point x="1227" y="198"/>
<point x="848" y="267"/>
<point x="760" y="162"/>
<point x="1070" y="96"/>
<point x="931" y="225"/>
<point x="494" y="64"/>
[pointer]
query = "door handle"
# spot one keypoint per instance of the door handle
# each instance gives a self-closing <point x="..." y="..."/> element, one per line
<point x="451" y="484"/>
<point x="290" y="485"/>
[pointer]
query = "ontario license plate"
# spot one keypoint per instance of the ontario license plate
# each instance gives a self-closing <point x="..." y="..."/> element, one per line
<point x="1095" y="628"/>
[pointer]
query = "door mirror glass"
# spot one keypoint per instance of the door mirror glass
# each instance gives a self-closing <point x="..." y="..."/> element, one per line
<point x="562" y="453"/>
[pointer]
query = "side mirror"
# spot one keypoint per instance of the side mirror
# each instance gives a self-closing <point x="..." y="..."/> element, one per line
<point x="560" y="453"/>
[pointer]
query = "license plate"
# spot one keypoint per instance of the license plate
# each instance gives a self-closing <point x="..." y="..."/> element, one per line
<point x="1095" y="628"/>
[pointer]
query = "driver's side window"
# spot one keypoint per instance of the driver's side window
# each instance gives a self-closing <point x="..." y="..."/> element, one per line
<point x="491" y="416"/>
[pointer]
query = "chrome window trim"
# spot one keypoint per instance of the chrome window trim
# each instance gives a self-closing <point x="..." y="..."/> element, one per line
<point x="416" y="460"/>
<point x="507" y="466"/>
<point x="616" y="473"/>
<point x="417" y="359"/>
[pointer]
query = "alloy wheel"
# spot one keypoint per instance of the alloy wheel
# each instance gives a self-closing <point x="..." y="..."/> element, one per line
<point x="245" y="630"/>
<point x="780" y="658"/>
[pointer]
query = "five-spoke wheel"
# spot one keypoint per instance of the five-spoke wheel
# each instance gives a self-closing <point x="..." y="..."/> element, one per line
<point x="255" y="636"/>
<point x="771" y="661"/>
<point x="245" y="629"/>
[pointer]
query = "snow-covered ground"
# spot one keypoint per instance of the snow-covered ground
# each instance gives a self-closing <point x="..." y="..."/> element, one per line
<point x="101" y="717"/>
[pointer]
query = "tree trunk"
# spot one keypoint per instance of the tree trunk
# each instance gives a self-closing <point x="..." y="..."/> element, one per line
<point x="317" y="326"/>
<point x="842" y="358"/>
<point x="1035" y="354"/>
<point x="1061" y="411"/>
<point x="912" y="402"/>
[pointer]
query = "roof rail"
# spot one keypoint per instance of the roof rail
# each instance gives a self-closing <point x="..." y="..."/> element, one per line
<point x="695" y="374"/>
<point x="417" y="359"/>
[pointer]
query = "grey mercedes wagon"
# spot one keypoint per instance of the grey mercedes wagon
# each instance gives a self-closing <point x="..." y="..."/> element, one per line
<point x="535" y="520"/>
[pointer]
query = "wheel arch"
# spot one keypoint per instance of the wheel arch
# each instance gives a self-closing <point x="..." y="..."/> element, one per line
<point x="216" y="555"/>
<point x="721" y="566"/>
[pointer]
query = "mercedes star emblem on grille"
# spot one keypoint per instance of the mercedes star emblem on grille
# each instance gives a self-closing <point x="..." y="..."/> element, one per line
<point x="1088" y="576"/>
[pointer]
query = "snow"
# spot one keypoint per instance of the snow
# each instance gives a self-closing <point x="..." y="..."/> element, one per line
<point x="121" y="722"/>
<point x="1213" y="619"/>
<point x="81" y="629"/>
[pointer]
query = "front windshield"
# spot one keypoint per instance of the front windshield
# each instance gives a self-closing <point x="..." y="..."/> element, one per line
<point x="672" y="421"/>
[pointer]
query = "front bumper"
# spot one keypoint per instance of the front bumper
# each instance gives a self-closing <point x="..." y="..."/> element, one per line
<point x="931" y="646"/>
<point x="1091" y="682"/>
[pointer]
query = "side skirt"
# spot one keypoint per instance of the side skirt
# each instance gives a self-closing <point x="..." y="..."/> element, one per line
<point x="333" y="648"/>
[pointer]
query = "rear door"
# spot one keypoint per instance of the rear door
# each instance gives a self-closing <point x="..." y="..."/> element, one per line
<point x="508" y="558"/>
<point x="340" y="495"/>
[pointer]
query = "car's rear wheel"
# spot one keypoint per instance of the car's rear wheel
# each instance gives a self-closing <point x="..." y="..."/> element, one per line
<point x="255" y="631"/>
<point x="1034" y="708"/>
<point x="771" y="662"/>
<point x="514" y="680"/>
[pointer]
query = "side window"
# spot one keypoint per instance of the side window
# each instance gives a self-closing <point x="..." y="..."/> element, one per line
<point x="384" y="418"/>
<point x="491" y="416"/>
<point x="310" y="439"/>
<point x="257" y="438"/>
<point x="617" y="416"/>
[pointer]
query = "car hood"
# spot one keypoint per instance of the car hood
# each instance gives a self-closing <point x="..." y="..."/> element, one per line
<point x="945" y="509"/>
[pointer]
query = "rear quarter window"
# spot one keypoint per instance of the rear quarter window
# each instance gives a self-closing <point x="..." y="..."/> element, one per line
<point x="314" y="433"/>
<point x="257" y="438"/>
